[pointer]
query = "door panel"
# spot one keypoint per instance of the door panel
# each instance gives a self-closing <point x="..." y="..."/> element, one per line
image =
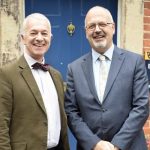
<point x="65" y="48"/>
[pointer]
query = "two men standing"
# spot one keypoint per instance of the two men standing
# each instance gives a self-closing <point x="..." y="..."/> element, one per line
<point x="106" y="99"/>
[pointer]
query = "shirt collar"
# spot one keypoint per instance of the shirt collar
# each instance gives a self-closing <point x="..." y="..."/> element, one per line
<point x="31" y="60"/>
<point x="108" y="53"/>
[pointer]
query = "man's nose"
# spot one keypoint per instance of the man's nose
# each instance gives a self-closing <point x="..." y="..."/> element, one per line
<point x="97" y="28"/>
<point x="39" y="37"/>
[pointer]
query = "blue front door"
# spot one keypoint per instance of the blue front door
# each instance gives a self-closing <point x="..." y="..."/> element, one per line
<point x="66" y="47"/>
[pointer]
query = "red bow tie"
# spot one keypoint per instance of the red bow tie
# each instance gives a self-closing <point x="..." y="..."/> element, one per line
<point x="43" y="67"/>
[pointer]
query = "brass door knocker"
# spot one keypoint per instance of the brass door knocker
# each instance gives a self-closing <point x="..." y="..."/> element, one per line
<point x="70" y="29"/>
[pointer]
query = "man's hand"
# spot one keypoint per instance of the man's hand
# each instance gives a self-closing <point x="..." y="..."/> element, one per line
<point x="116" y="148"/>
<point x="104" y="145"/>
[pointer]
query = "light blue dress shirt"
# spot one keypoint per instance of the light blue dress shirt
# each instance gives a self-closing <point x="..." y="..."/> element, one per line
<point x="96" y="66"/>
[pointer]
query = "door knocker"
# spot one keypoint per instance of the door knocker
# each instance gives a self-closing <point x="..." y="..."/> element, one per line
<point x="70" y="29"/>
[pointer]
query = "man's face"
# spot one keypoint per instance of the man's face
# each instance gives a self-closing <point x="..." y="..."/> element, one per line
<point x="37" y="38"/>
<point x="99" y="30"/>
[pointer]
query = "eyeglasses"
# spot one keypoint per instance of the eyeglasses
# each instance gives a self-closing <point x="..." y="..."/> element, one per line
<point x="101" y="25"/>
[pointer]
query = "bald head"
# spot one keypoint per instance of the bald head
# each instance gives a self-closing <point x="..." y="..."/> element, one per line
<point x="36" y="17"/>
<point x="98" y="10"/>
<point x="99" y="28"/>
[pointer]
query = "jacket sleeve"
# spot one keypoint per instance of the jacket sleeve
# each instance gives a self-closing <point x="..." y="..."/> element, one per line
<point x="5" y="111"/>
<point x="140" y="108"/>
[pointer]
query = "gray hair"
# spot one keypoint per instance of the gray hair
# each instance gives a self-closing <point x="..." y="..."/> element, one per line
<point x="37" y="16"/>
<point x="102" y="9"/>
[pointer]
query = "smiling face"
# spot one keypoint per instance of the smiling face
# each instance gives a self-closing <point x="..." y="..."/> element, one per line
<point x="99" y="28"/>
<point x="37" y="36"/>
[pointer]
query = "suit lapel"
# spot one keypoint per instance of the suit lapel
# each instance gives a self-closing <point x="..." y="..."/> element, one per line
<point x="88" y="70"/>
<point x="117" y="61"/>
<point x="28" y="77"/>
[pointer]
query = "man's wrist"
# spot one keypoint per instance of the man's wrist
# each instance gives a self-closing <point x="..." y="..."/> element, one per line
<point x="116" y="148"/>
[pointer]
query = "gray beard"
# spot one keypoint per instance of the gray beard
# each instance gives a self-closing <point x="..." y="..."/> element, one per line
<point x="101" y="44"/>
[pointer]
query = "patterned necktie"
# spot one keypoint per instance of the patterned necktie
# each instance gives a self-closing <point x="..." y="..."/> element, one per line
<point x="103" y="75"/>
<point x="43" y="67"/>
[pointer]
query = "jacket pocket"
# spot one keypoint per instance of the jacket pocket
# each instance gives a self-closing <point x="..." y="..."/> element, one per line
<point x="19" y="146"/>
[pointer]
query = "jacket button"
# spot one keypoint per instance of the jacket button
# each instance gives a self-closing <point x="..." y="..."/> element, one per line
<point x="44" y="144"/>
<point x="45" y="123"/>
<point x="103" y="109"/>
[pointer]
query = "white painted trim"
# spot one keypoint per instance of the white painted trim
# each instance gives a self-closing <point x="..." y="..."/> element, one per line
<point x="118" y="28"/>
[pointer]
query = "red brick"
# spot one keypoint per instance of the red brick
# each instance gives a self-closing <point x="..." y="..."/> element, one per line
<point x="147" y="131"/>
<point x="147" y="4"/>
<point x="147" y="124"/>
<point x="146" y="12"/>
<point x="147" y="35"/>
<point x="147" y="20"/>
<point x="146" y="43"/>
<point x="146" y="49"/>
<point x="147" y="27"/>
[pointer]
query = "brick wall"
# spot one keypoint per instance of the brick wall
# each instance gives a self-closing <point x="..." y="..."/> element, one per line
<point x="147" y="132"/>
<point x="146" y="47"/>
<point x="146" y="25"/>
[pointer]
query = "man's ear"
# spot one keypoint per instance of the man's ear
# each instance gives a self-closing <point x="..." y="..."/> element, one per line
<point x="22" y="38"/>
<point x="85" y="33"/>
<point x="114" y="31"/>
<point x="114" y="28"/>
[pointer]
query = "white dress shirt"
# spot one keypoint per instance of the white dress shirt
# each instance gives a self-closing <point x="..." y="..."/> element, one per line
<point x="96" y="66"/>
<point x="50" y="99"/>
